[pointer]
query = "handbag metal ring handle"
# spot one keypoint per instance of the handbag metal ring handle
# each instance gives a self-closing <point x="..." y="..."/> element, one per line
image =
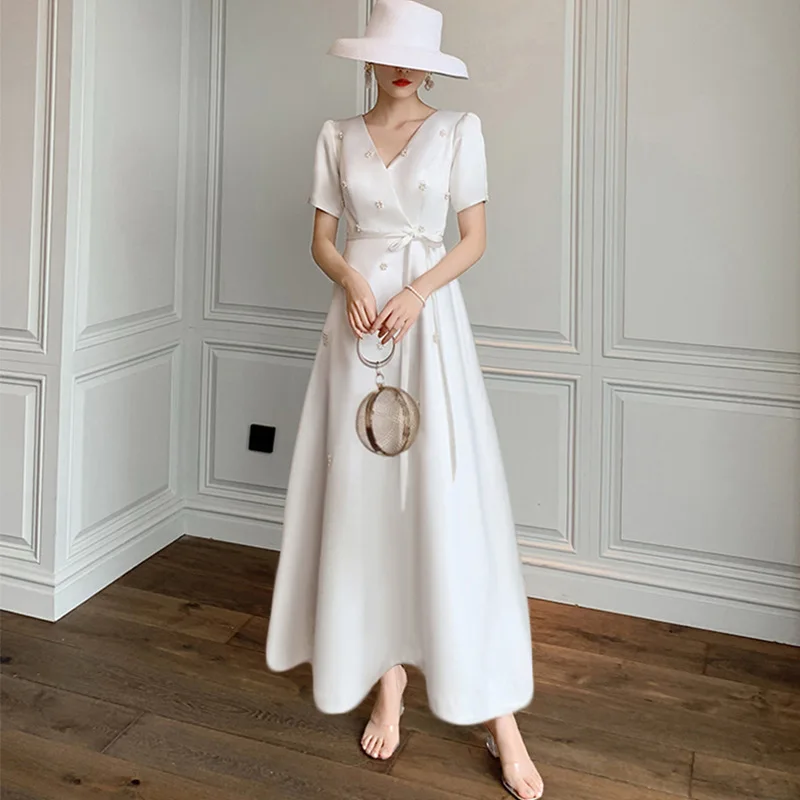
<point x="376" y="364"/>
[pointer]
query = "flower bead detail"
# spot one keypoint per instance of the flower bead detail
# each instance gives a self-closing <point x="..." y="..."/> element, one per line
<point x="325" y="338"/>
<point x="423" y="186"/>
<point x="344" y="184"/>
<point x="368" y="154"/>
<point x="447" y="195"/>
<point x="442" y="132"/>
<point x="379" y="204"/>
<point x="340" y="134"/>
<point x="404" y="152"/>
<point x="358" y="229"/>
<point x="383" y="265"/>
<point x="330" y="459"/>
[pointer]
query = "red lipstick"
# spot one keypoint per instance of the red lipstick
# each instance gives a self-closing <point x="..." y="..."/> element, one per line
<point x="401" y="82"/>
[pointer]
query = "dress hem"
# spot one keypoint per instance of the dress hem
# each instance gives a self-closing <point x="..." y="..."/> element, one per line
<point x="512" y="709"/>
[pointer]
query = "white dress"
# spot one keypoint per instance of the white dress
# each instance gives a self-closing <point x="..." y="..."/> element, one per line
<point x="409" y="559"/>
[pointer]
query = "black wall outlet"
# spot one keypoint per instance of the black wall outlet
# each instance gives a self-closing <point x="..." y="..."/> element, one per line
<point x="262" y="438"/>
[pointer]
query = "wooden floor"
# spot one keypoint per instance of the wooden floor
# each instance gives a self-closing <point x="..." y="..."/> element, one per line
<point x="157" y="689"/>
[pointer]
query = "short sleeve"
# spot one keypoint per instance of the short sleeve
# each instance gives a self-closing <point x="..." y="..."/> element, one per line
<point x="468" y="180"/>
<point x="326" y="191"/>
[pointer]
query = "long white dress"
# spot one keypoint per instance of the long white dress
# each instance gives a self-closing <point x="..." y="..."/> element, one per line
<point x="409" y="559"/>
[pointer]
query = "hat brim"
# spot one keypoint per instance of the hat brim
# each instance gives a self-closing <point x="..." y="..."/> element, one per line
<point x="379" y="51"/>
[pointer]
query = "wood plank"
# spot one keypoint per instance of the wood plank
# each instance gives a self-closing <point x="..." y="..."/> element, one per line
<point x="171" y="613"/>
<point x="52" y="713"/>
<point x="614" y="635"/>
<point x="737" y="664"/>
<point x="222" y="589"/>
<point x="252" y="635"/>
<point x="673" y="727"/>
<point x="48" y="770"/>
<point x="720" y="779"/>
<point x="176" y="653"/>
<point x="150" y="683"/>
<point x="242" y="563"/>
<point x="657" y="686"/>
<point x="762" y="646"/>
<point x="189" y="750"/>
<point x="470" y="771"/>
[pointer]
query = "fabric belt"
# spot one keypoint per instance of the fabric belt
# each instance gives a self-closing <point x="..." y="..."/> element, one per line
<point x="400" y="240"/>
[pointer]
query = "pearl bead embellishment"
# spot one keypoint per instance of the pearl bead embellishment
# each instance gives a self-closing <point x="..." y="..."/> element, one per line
<point x="325" y="338"/>
<point x="368" y="154"/>
<point x="384" y="265"/>
<point x="340" y="134"/>
<point x="379" y="204"/>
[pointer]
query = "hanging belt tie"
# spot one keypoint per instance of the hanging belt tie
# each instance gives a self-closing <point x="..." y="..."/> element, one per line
<point x="400" y="240"/>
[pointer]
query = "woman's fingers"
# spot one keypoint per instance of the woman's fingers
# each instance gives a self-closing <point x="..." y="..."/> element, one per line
<point x="364" y="315"/>
<point x="354" y="324"/>
<point x="403" y="331"/>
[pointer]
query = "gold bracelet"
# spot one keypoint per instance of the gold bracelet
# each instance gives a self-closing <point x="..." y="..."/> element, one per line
<point x="414" y="291"/>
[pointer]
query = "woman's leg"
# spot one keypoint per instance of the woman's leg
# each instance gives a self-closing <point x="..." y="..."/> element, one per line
<point x="382" y="734"/>
<point x="519" y="771"/>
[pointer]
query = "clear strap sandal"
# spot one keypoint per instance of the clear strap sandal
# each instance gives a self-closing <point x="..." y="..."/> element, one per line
<point x="507" y="766"/>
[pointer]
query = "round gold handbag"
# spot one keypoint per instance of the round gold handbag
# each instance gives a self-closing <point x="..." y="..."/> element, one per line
<point x="388" y="417"/>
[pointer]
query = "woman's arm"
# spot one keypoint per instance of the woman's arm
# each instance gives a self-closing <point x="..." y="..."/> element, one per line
<point x="472" y="227"/>
<point x="361" y="307"/>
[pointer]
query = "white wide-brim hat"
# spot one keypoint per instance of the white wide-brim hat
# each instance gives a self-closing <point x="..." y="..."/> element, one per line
<point x="402" y="33"/>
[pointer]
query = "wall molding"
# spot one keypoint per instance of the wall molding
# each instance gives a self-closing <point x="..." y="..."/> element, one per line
<point x="209" y="484"/>
<point x="567" y="340"/>
<point x="531" y="538"/>
<point x="89" y="334"/>
<point x="679" y="559"/>
<point x="113" y="528"/>
<point x="615" y="343"/>
<point x="27" y="546"/>
<point x="33" y="338"/>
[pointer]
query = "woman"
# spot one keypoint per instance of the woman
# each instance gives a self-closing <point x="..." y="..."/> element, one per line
<point x="412" y="559"/>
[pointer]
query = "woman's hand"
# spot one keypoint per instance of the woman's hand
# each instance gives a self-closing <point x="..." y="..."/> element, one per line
<point x="397" y="317"/>
<point x="361" y="306"/>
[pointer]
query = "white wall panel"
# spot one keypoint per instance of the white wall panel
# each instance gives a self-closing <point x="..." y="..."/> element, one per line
<point x="134" y="150"/>
<point x="247" y="384"/>
<point x="21" y="462"/>
<point x="706" y="480"/>
<point x="274" y="88"/>
<point x="26" y="86"/>
<point x="536" y="418"/>
<point x="123" y="444"/>
<point x="524" y="84"/>
<point x="707" y="124"/>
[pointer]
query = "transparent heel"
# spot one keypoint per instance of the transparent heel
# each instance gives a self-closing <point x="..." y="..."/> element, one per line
<point x="491" y="746"/>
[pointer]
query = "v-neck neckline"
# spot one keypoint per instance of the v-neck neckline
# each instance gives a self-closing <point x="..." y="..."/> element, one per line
<point x="405" y="146"/>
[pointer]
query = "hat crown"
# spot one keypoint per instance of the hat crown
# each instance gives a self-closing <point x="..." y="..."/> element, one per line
<point x="406" y="23"/>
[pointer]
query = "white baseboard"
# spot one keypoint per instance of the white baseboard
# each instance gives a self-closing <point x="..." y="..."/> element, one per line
<point x="621" y="595"/>
<point x="49" y="599"/>
<point x="228" y="527"/>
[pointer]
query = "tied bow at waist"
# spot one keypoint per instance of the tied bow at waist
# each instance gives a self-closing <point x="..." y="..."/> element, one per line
<point x="399" y="240"/>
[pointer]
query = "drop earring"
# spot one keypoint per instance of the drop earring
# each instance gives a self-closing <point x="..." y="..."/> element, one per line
<point x="429" y="82"/>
